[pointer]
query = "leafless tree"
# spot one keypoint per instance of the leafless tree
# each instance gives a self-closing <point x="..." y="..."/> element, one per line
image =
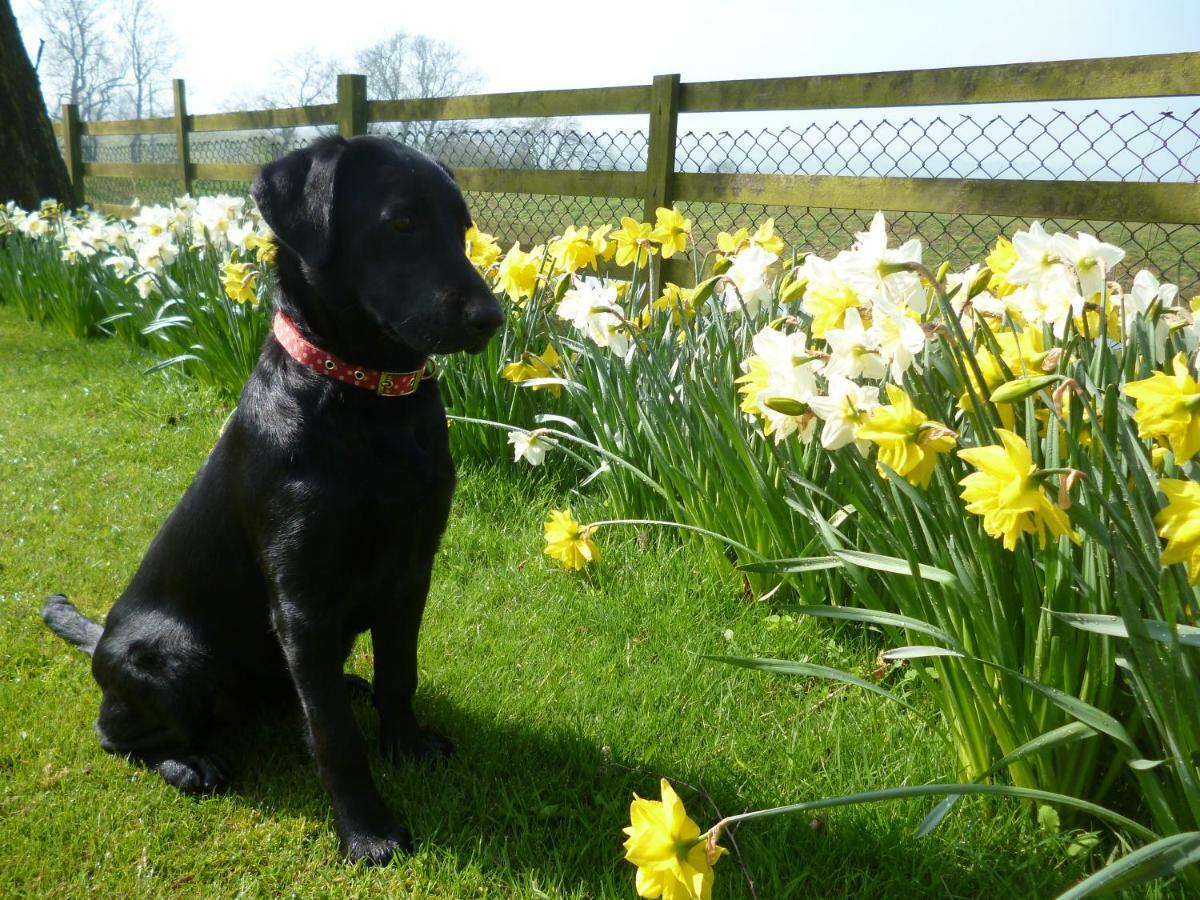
<point x="150" y="50"/>
<point x="305" y="78"/>
<point x="406" y="66"/>
<point x="80" y="65"/>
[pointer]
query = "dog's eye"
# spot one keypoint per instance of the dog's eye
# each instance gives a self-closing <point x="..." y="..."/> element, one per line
<point x="402" y="223"/>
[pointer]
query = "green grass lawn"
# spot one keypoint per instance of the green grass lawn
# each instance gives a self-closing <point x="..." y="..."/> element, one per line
<point x="565" y="694"/>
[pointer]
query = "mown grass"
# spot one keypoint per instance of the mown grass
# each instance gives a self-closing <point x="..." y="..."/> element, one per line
<point x="564" y="695"/>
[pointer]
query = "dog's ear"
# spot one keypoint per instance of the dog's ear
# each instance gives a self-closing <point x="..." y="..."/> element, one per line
<point x="295" y="196"/>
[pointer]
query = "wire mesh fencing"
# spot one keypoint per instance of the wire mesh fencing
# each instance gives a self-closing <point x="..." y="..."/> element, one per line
<point x="1046" y="144"/>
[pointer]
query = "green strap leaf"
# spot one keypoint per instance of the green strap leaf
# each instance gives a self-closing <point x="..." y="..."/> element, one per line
<point x="1157" y="860"/>
<point x="790" y="566"/>
<point x="1114" y="626"/>
<point x="875" y="617"/>
<point x="791" y="667"/>
<point x="1064" y="734"/>
<point x="895" y="565"/>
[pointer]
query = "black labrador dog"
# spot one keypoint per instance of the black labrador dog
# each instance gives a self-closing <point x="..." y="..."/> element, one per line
<point x="318" y="513"/>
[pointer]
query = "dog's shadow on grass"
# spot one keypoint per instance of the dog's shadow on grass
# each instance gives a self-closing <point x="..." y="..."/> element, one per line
<point x="525" y="805"/>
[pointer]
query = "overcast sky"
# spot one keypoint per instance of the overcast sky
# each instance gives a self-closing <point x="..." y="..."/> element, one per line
<point x="229" y="45"/>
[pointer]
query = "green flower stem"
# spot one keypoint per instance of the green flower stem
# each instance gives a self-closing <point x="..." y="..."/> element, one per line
<point x="736" y="545"/>
<point x="933" y="790"/>
<point x="567" y="436"/>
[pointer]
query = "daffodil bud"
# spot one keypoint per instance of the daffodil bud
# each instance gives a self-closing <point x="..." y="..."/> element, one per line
<point x="1020" y="388"/>
<point x="785" y="406"/>
<point x="704" y="290"/>
<point x="980" y="283"/>
<point x="794" y="290"/>
<point x="721" y="265"/>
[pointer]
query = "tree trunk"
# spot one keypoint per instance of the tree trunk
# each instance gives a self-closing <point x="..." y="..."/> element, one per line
<point x="31" y="168"/>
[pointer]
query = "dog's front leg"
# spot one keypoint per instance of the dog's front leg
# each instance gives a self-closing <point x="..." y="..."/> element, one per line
<point x="367" y="829"/>
<point x="394" y="644"/>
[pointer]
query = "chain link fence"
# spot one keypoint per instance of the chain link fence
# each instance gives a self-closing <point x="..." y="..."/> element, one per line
<point x="1077" y="144"/>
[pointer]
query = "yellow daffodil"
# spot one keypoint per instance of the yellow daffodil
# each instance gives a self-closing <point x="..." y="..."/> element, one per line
<point x="517" y="274"/>
<point x="604" y="247"/>
<point x="481" y="248"/>
<point x="265" y="248"/>
<point x="573" y="250"/>
<point x="1007" y="495"/>
<point x="1179" y="523"/>
<point x="239" y="281"/>
<point x="1000" y="261"/>
<point x="909" y="441"/>
<point x="1169" y="406"/>
<point x="764" y="236"/>
<point x="666" y="846"/>
<point x="675" y="298"/>
<point x="827" y="302"/>
<point x="535" y="366"/>
<point x="568" y="541"/>
<point x="754" y="382"/>
<point x="633" y="242"/>
<point x="671" y="231"/>
<point x="730" y="244"/>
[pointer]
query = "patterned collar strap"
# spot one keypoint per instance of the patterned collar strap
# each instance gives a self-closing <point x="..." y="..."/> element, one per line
<point x="385" y="384"/>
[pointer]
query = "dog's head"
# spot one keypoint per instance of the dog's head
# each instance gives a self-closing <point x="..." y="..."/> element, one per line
<point x="377" y="229"/>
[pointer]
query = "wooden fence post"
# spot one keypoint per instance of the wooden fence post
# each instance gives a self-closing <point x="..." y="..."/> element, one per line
<point x="352" y="105"/>
<point x="73" y="149"/>
<point x="660" y="152"/>
<point x="660" y="161"/>
<point x="182" y="132"/>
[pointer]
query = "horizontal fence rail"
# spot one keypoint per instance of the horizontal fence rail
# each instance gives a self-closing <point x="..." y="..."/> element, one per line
<point x="660" y="182"/>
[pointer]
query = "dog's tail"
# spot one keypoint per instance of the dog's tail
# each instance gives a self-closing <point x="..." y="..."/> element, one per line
<point x="70" y="624"/>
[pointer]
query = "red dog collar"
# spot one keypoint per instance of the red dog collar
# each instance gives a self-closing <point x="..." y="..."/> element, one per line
<point x="385" y="384"/>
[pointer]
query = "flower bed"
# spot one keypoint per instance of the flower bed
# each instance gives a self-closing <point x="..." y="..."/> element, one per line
<point x="994" y="468"/>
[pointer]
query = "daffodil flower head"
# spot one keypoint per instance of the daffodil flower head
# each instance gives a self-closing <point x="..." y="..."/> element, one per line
<point x="671" y="231"/>
<point x="1179" y="523"/>
<point x="481" y="248"/>
<point x="1169" y="406"/>
<point x="568" y="541"/>
<point x="573" y="250"/>
<point x="667" y="848"/>
<point x="517" y="274"/>
<point x="909" y="441"/>
<point x="633" y="244"/>
<point x="239" y="281"/>
<point x="1006" y="493"/>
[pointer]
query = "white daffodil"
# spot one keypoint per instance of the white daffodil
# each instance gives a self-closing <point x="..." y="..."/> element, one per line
<point x="1146" y="291"/>
<point x="528" y="446"/>
<point x="853" y="352"/>
<point x="869" y="265"/>
<point x="789" y="384"/>
<point x="122" y="266"/>
<point x="746" y="282"/>
<point x="898" y="335"/>
<point x="1093" y="260"/>
<point x="156" y="252"/>
<point x="591" y="306"/>
<point x="1035" y="256"/>
<point x="843" y="409"/>
<point x="146" y="285"/>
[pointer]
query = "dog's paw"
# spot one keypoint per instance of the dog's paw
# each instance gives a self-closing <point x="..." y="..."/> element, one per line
<point x="419" y="744"/>
<point x="192" y="774"/>
<point x="376" y="849"/>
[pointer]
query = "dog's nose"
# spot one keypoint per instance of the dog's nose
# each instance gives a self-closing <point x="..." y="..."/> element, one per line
<point x="483" y="318"/>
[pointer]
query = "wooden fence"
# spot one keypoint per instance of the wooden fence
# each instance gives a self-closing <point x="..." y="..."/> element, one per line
<point x="1165" y="75"/>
